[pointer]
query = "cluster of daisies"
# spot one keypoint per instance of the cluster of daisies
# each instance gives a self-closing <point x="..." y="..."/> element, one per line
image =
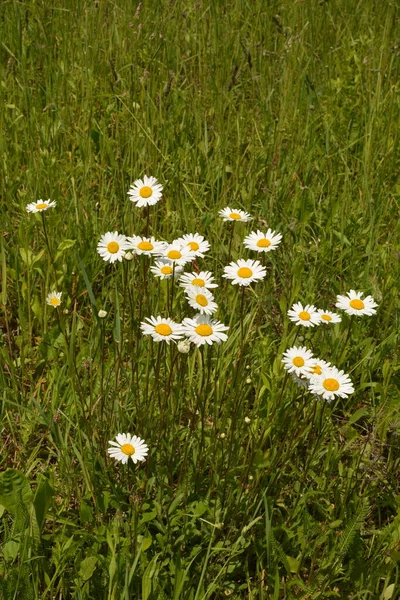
<point x="319" y="377"/>
<point x="170" y="260"/>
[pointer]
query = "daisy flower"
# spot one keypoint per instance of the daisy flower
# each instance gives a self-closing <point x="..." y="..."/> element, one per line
<point x="162" y="330"/>
<point x="126" y="446"/>
<point x="54" y="299"/>
<point x="303" y="383"/>
<point x="196" y="243"/>
<point x="204" y="279"/>
<point x="331" y="383"/>
<point x="178" y="254"/>
<point x="202" y="300"/>
<point x="203" y="330"/>
<point x="317" y="368"/>
<point x="327" y="316"/>
<point x="244" y="272"/>
<point x="143" y="245"/>
<point x="306" y="315"/>
<point x="164" y="269"/>
<point x="234" y="214"/>
<point x="262" y="242"/>
<point x="352" y="304"/>
<point x="298" y="360"/>
<point x="112" y="246"/>
<point x="145" y="192"/>
<point x="40" y="206"/>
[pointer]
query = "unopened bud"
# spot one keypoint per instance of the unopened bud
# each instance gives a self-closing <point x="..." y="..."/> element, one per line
<point x="128" y="256"/>
<point x="247" y="420"/>
<point x="183" y="346"/>
<point x="102" y="314"/>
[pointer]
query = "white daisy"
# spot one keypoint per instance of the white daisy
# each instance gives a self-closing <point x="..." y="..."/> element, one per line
<point x="234" y="214"/>
<point x="306" y="315"/>
<point x="162" y="330"/>
<point x="202" y="300"/>
<point x="145" y="245"/>
<point x="331" y="383"/>
<point x="204" y="279"/>
<point x="165" y="269"/>
<point x="327" y="316"/>
<point x="145" y="192"/>
<point x="112" y="246"/>
<point x="178" y="254"/>
<point x="262" y="242"/>
<point x="244" y="272"/>
<point x="54" y="299"/>
<point x="317" y="368"/>
<point x="298" y="360"/>
<point x="353" y="304"/>
<point x="203" y="330"/>
<point x="196" y="243"/>
<point x="40" y="205"/>
<point x="303" y="383"/>
<point x="126" y="446"/>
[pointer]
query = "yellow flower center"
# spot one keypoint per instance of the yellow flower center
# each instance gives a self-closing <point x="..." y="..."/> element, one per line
<point x="193" y="246"/>
<point x="298" y="361"/>
<point x="317" y="369"/>
<point x="55" y="301"/>
<point x="174" y="254"/>
<point x="128" y="449"/>
<point x="199" y="282"/>
<point x="202" y="300"/>
<point x="263" y="243"/>
<point x="304" y="316"/>
<point x="326" y="317"/>
<point x="204" y="330"/>
<point x="331" y="385"/>
<point x="357" y="304"/>
<point x="145" y="191"/>
<point x="166" y="270"/>
<point x="41" y="206"/>
<point x="245" y="272"/>
<point x="235" y="216"/>
<point x="145" y="246"/>
<point x="163" y="329"/>
<point x="113" y="247"/>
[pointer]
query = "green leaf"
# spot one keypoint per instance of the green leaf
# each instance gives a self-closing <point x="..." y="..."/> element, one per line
<point x="65" y="244"/>
<point x="14" y="490"/>
<point x="10" y="550"/>
<point x="87" y="567"/>
<point x="42" y="500"/>
<point x="388" y="593"/>
<point x="357" y="415"/>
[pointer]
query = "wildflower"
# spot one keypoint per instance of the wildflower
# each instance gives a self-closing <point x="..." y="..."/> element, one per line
<point x="40" y="206"/>
<point x="352" y="304"/>
<point x="203" y="330"/>
<point x="244" y="272"/>
<point x="165" y="269"/>
<point x="306" y="315"/>
<point x="298" y="360"/>
<point x="196" y="243"/>
<point x="143" y="245"/>
<point x="128" y="256"/>
<point x="183" y="346"/>
<point x="126" y="446"/>
<point x="145" y="192"/>
<point x="331" y="383"/>
<point x="204" y="279"/>
<point x="326" y="316"/>
<point x="102" y="314"/>
<point x="202" y="300"/>
<point x="234" y="214"/>
<point x="162" y="330"/>
<point x="178" y="254"/>
<point x="112" y="246"/>
<point x="317" y="368"/>
<point x="262" y="242"/>
<point x="247" y="420"/>
<point x="54" y="299"/>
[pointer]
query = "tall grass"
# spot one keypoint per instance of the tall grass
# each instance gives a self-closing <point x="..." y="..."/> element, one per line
<point x="252" y="488"/>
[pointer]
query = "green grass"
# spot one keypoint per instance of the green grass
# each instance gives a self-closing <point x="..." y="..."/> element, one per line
<point x="288" y="110"/>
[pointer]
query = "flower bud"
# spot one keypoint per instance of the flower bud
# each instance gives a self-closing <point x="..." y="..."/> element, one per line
<point x="102" y="313"/>
<point x="183" y="346"/>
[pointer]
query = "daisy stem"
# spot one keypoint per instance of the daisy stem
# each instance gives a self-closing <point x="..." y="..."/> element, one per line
<point x="231" y="225"/>
<point x="241" y="320"/>
<point x="343" y="352"/>
<point x="147" y="221"/>
<point x="48" y="248"/>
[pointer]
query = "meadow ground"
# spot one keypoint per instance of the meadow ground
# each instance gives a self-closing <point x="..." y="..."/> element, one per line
<point x="252" y="486"/>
